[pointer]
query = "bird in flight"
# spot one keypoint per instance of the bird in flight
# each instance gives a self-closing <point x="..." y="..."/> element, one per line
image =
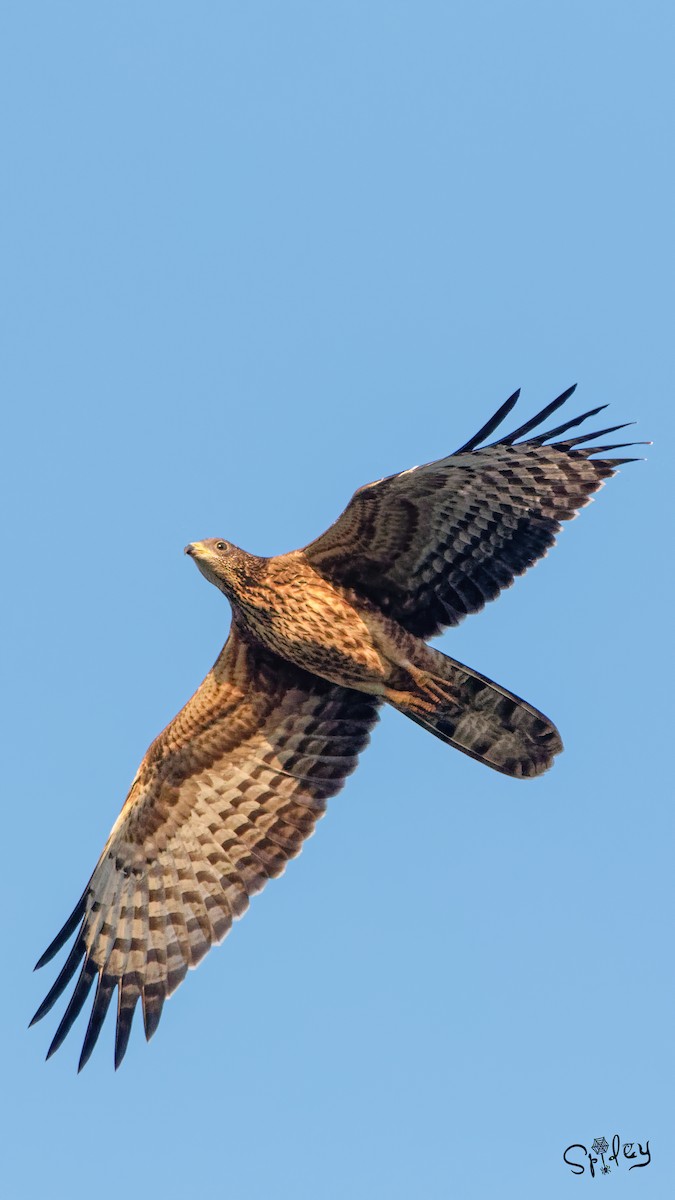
<point x="320" y="639"/>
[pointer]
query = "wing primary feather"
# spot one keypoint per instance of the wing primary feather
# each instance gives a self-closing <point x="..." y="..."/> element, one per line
<point x="104" y="991"/>
<point x="490" y="426"/>
<point x="63" y="934"/>
<point x="571" y="424"/>
<point x="127" y="993"/>
<point x="153" y="996"/>
<point x="536" y="420"/>
<point x="617" y="462"/>
<point x="569" y="443"/>
<point x="61" y="983"/>
<point x="82" y="989"/>
<point x="153" y="993"/>
<point x="588" y="450"/>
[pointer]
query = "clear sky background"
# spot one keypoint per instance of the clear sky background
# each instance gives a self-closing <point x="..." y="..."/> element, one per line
<point x="254" y="256"/>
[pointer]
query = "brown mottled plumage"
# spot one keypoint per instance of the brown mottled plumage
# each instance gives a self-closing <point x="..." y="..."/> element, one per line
<point x="320" y="638"/>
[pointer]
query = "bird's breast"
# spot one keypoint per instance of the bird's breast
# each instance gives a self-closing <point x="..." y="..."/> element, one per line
<point x="316" y="626"/>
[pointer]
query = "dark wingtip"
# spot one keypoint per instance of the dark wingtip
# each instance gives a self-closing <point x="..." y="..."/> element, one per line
<point x="153" y="1002"/>
<point x="490" y="426"/>
<point x="64" y="933"/>
<point x="570" y="443"/>
<point x="128" y="995"/>
<point x="75" y="1006"/>
<point x="618" y="462"/>
<point x="571" y="424"/>
<point x="121" y="1043"/>
<point x="613" y="446"/>
<point x="104" y="991"/>
<point x="60" y="984"/>
<point x="538" y="418"/>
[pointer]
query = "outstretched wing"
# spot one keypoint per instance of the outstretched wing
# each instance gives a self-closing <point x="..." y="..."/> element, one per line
<point x="438" y="541"/>
<point x="223" y="798"/>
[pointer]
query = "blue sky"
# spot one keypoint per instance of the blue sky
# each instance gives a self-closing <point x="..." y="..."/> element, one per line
<point x="255" y="256"/>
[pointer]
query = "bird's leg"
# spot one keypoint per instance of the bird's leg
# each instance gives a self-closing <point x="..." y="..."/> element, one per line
<point x="439" y="689"/>
<point x="421" y="690"/>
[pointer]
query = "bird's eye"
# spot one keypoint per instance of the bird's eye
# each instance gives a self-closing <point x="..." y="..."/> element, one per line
<point x="220" y="545"/>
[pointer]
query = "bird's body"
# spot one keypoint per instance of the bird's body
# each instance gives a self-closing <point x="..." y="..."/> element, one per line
<point x="287" y="606"/>
<point x="301" y="616"/>
<point x="320" y="639"/>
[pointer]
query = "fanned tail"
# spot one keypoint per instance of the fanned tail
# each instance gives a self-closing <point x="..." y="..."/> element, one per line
<point x="475" y="715"/>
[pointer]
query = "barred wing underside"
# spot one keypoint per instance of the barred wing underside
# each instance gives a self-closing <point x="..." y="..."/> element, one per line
<point x="224" y="797"/>
<point x="436" y="542"/>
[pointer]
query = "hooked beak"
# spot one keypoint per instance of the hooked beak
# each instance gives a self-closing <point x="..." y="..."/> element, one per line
<point x="202" y="555"/>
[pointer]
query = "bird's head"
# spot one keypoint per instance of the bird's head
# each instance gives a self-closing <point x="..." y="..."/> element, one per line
<point x="211" y="557"/>
<point x="224" y="565"/>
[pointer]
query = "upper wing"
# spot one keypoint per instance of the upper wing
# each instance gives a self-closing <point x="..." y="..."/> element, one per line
<point x="436" y="542"/>
<point x="223" y="798"/>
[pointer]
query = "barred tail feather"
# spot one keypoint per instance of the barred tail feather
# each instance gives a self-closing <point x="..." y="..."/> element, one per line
<point x="476" y="716"/>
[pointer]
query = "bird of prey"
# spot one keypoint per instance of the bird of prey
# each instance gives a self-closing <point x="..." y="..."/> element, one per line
<point x="320" y="639"/>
